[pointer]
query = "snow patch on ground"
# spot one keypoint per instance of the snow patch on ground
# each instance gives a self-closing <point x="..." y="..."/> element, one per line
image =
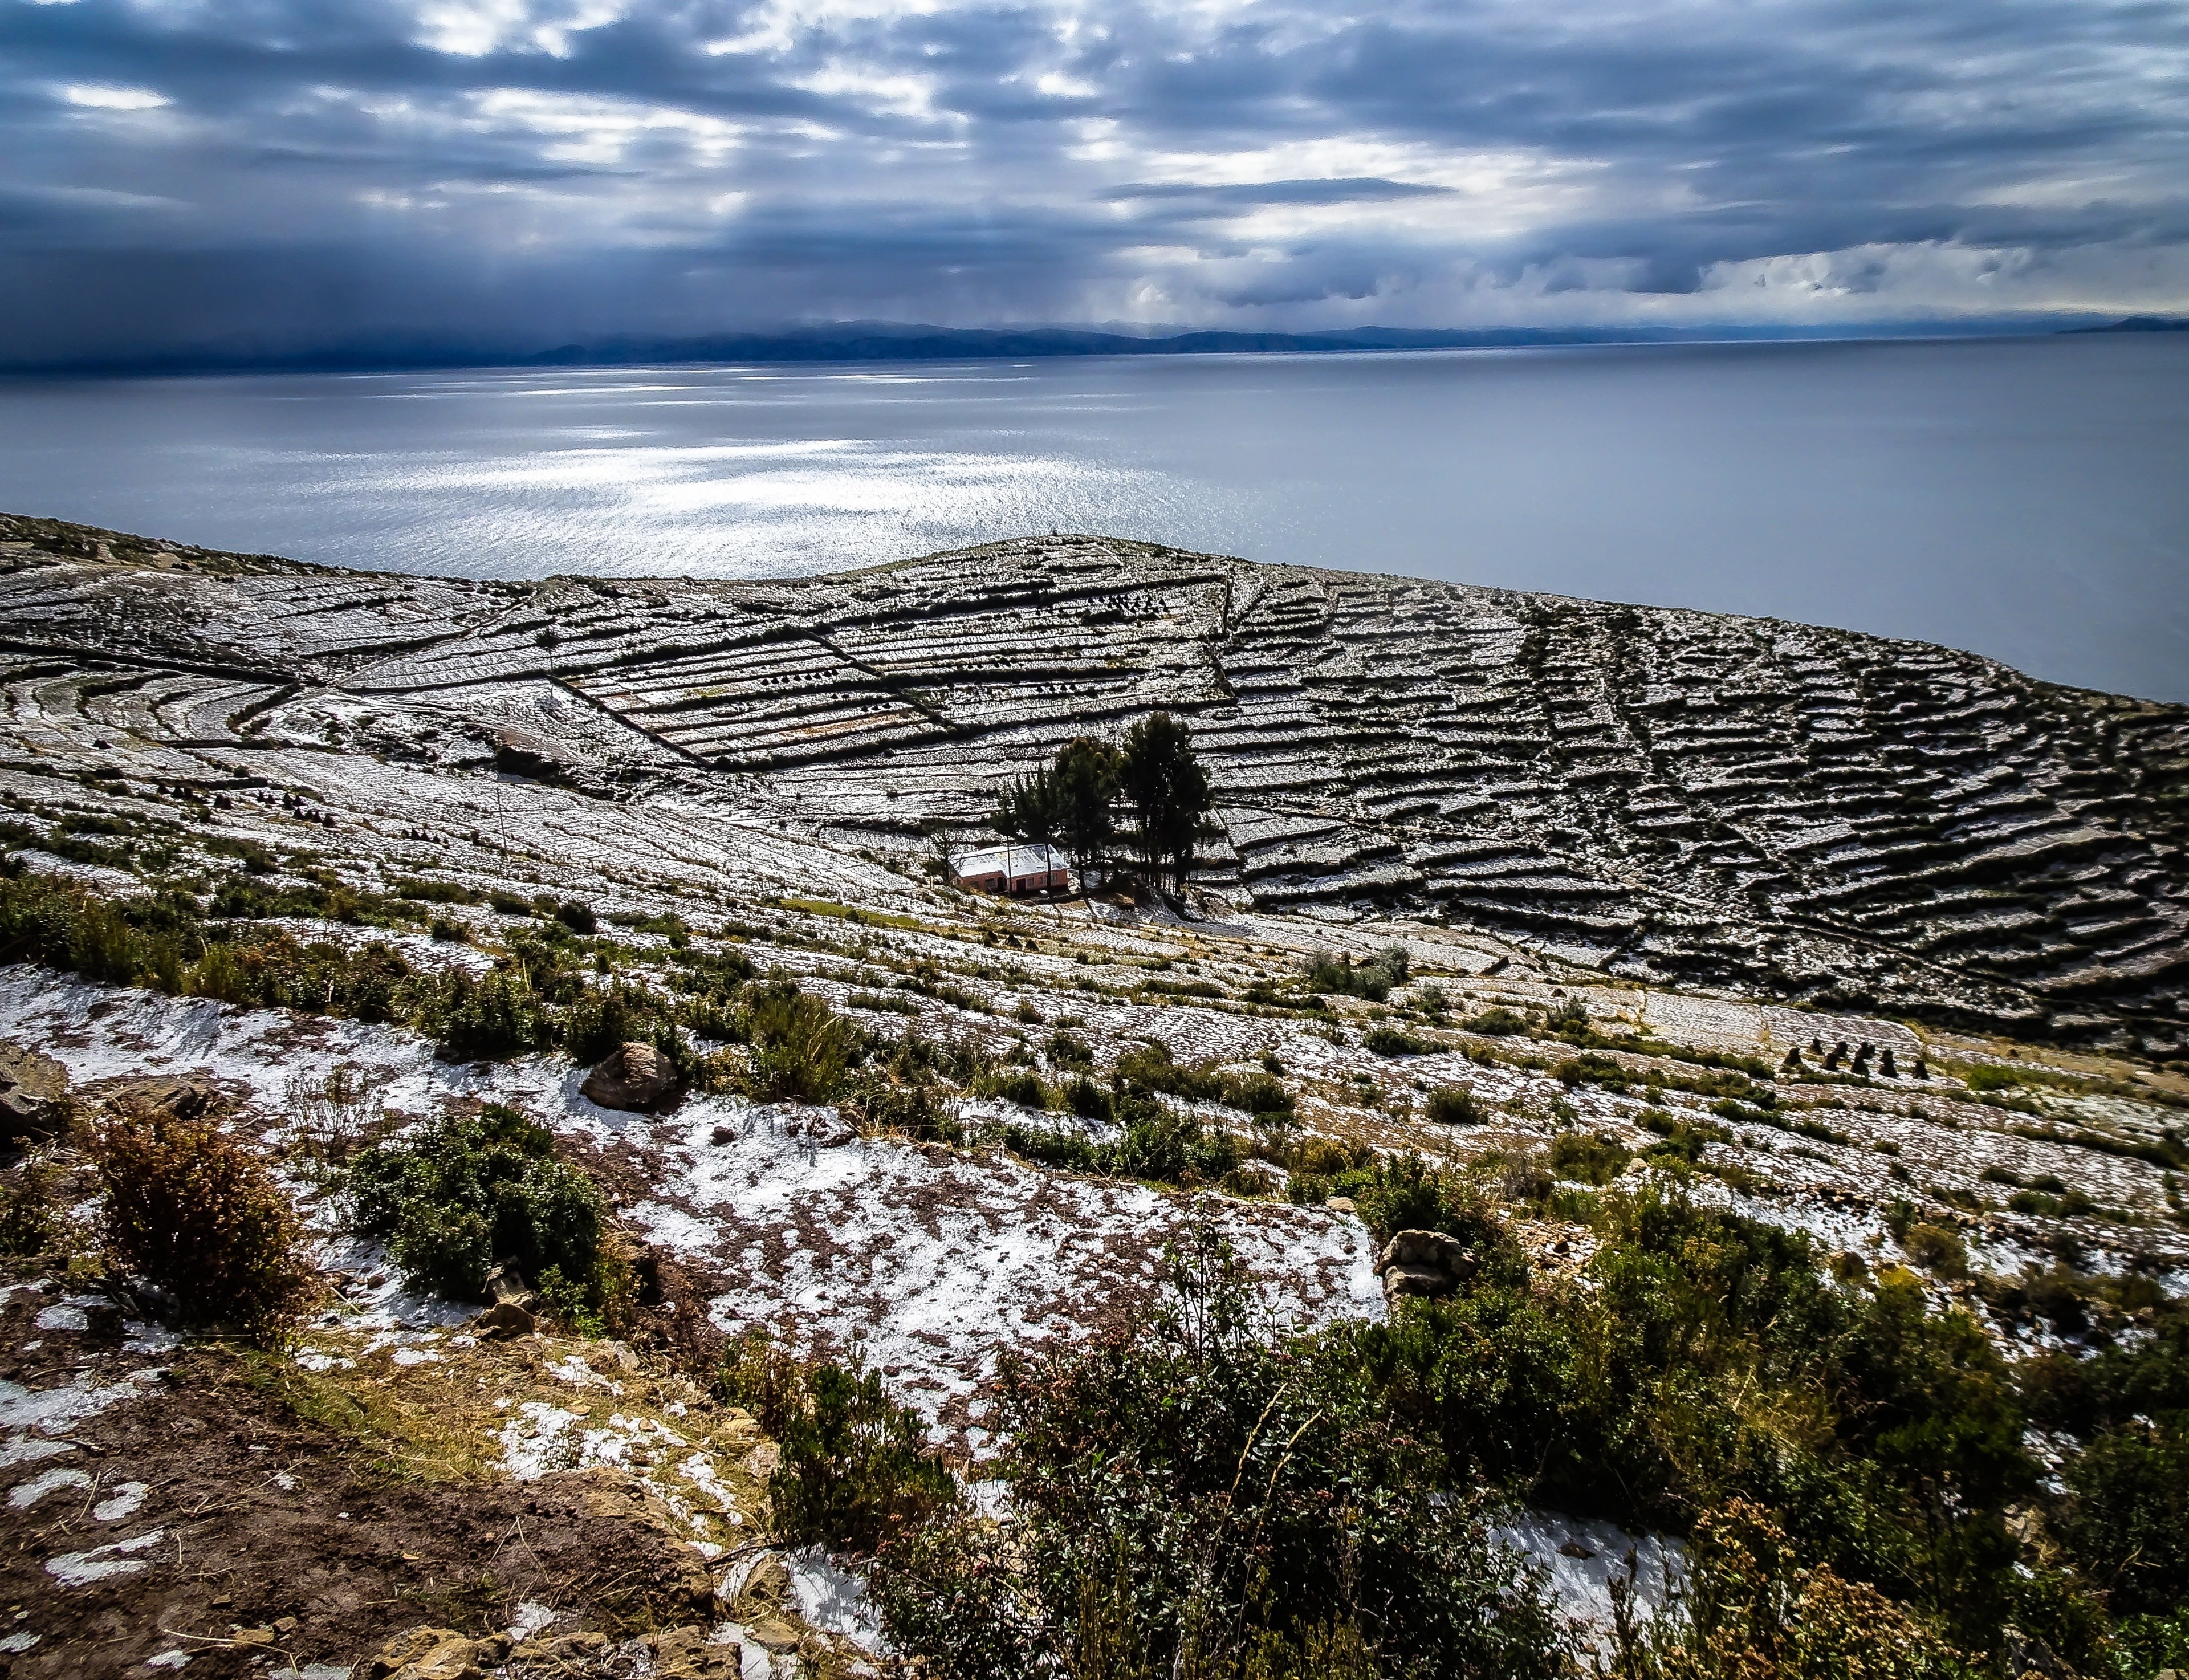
<point x="935" y="1262"/>
<point x="81" y="1568"/>
<point x="1581" y="1559"/>
<point x="835" y="1600"/>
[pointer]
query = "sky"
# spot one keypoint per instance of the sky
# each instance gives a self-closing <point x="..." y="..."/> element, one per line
<point x="271" y="176"/>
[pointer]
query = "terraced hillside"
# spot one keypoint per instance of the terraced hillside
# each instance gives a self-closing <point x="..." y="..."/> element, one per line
<point x="1805" y="813"/>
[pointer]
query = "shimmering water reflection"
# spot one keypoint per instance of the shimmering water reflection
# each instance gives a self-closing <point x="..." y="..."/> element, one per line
<point x="2029" y="499"/>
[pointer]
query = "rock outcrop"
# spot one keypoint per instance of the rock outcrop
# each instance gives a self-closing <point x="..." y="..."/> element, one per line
<point x="634" y="1077"/>
<point x="1426" y="1262"/>
<point x="33" y="1088"/>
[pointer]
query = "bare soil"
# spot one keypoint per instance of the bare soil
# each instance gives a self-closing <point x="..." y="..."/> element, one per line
<point x="266" y="1520"/>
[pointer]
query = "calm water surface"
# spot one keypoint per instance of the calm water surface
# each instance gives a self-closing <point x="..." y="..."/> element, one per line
<point x="2029" y="499"/>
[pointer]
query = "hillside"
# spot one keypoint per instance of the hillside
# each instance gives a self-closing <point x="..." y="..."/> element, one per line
<point x="1813" y="815"/>
<point x="1870" y="954"/>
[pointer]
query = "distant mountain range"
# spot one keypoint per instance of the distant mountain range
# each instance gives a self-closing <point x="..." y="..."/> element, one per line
<point x="2141" y="324"/>
<point x="890" y="341"/>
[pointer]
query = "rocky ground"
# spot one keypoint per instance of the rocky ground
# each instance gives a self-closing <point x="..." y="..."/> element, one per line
<point x="1624" y="850"/>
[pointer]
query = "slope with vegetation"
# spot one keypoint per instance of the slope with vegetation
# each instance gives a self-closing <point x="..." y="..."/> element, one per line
<point x="1024" y="1259"/>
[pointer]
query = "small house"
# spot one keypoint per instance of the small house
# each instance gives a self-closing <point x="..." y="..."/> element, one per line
<point x="1016" y="869"/>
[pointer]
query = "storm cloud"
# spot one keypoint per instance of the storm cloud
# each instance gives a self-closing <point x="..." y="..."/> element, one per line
<point x="266" y="175"/>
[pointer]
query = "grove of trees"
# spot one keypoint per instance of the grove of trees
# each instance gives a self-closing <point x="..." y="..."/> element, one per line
<point x="1148" y="799"/>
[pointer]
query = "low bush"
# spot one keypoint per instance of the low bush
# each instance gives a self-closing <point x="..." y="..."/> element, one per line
<point x="488" y="1018"/>
<point x="1088" y="1101"/>
<point x="1589" y="1159"/>
<point x="1189" y="1495"/>
<point x="801" y="1047"/>
<point x="1397" y="1041"/>
<point x="1497" y="1023"/>
<point x="186" y="1206"/>
<point x="1262" y="1094"/>
<point x="1750" y="1612"/>
<point x="856" y="1471"/>
<point x="1018" y="1085"/>
<point x="1374" y="979"/>
<point x="466" y="1192"/>
<point x="1064" y="1050"/>
<point x="1150" y="1068"/>
<point x="882" y="1104"/>
<point x="1938" y="1249"/>
<point x="1453" y="1105"/>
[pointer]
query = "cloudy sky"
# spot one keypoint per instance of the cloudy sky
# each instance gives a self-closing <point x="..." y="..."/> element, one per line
<point x="279" y="173"/>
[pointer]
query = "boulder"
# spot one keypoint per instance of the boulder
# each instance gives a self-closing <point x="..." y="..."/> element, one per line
<point x="187" y="1096"/>
<point x="1427" y="1262"/>
<point x="635" y="1077"/>
<point x="33" y="1088"/>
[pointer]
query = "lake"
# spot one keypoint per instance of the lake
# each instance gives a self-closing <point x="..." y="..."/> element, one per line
<point x="2025" y="498"/>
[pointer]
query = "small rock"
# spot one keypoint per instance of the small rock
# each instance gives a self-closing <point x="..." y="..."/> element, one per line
<point x="1341" y="1204"/>
<point x="635" y="1077"/>
<point x="32" y="1089"/>
<point x="435" y="1654"/>
<point x="505" y="1319"/>
<point x="773" y="1635"/>
<point x="684" y="1653"/>
<point x="252" y="1636"/>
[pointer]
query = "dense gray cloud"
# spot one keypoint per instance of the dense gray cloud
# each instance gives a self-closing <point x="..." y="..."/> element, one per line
<point x="277" y="175"/>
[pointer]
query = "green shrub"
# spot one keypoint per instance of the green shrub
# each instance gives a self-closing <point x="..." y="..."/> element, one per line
<point x="879" y="1104"/>
<point x="1088" y="1101"/>
<point x="1497" y="1023"/>
<point x="1067" y="1051"/>
<point x="1453" y="1105"/>
<point x="1020" y="1086"/>
<point x="2127" y="1524"/>
<point x="1150" y="1068"/>
<point x="1397" y="1041"/>
<point x="1256" y="1093"/>
<point x="1594" y="1070"/>
<point x="1938" y="1249"/>
<point x="1373" y="980"/>
<point x="188" y="1207"/>
<point x="1403" y="1192"/>
<point x="1168" y="1148"/>
<point x="489" y="1018"/>
<point x="759" y="1374"/>
<point x="1594" y="1159"/>
<point x="611" y="1014"/>
<point x="1751" y="1612"/>
<point x="421" y="892"/>
<point x="801" y="1047"/>
<point x="856" y="1471"/>
<point x="1189" y="1497"/>
<point x="466" y="1192"/>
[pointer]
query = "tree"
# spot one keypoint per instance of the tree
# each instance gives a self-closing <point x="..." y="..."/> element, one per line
<point x="1026" y="808"/>
<point x="1069" y="802"/>
<point x="1082" y="785"/>
<point x="1169" y="794"/>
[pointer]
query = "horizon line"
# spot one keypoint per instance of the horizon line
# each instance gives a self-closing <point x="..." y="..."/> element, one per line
<point x="871" y="341"/>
